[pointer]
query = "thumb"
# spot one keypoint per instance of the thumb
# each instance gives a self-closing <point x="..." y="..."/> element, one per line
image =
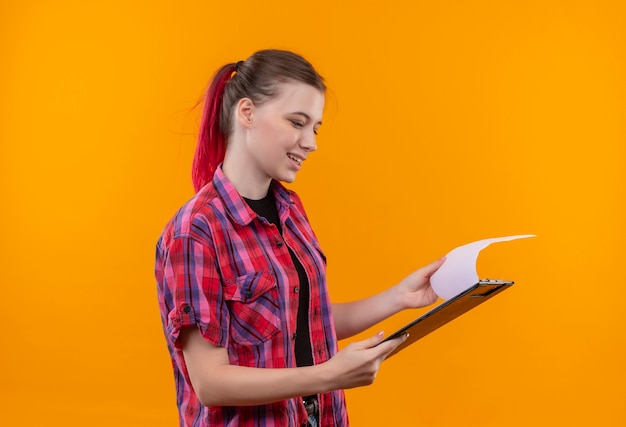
<point x="372" y="341"/>
<point x="430" y="269"/>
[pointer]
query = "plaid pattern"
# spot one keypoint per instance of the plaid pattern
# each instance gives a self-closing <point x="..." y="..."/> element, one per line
<point x="221" y="268"/>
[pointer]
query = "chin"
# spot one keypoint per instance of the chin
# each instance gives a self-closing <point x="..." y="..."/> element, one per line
<point x="287" y="177"/>
<point x="288" y="180"/>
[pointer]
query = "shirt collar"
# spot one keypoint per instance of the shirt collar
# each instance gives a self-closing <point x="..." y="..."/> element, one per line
<point x="237" y="208"/>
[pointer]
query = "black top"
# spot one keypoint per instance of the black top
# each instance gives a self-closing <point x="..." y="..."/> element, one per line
<point x="266" y="208"/>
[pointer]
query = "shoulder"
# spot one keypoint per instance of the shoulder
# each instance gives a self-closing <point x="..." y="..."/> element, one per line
<point x="195" y="218"/>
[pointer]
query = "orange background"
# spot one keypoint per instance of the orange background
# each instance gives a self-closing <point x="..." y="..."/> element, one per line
<point x="446" y="122"/>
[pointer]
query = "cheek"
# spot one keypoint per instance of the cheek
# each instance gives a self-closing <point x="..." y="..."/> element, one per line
<point x="277" y="136"/>
<point x="267" y="130"/>
<point x="268" y="142"/>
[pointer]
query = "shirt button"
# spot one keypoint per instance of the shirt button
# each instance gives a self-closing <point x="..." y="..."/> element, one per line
<point x="248" y="294"/>
<point x="279" y="243"/>
<point x="296" y="290"/>
<point x="186" y="309"/>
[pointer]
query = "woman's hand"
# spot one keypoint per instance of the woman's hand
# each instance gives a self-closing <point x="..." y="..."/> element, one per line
<point x="414" y="290"/>
<point x="358" y="363"/>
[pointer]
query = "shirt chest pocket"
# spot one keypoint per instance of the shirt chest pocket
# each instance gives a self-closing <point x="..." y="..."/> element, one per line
<point x="254" y="308"/>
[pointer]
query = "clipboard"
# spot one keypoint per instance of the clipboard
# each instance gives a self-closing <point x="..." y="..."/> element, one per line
<point x="448" y="310"/>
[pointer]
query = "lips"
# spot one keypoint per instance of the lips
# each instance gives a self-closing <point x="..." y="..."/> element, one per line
<point x="295" y="158"/>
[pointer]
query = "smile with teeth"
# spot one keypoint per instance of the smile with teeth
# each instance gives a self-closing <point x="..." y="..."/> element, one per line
<point x="295" y="159"/>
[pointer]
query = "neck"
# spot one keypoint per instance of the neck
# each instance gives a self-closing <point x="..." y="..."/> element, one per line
<point x="241" y="175"/>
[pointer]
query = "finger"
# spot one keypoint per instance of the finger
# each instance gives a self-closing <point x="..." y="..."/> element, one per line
<point x="388" y="346"/>
<point x="430" y="269"/>
<point x="372" y="341"/>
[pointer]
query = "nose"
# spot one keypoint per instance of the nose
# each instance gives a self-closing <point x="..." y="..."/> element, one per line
<point x="308" y="142"/>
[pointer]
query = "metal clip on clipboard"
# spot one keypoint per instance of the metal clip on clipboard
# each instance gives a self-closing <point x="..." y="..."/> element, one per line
<point x="448" y="310"/>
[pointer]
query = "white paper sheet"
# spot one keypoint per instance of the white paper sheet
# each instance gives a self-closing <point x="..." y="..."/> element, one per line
<point x="458" y="272"/>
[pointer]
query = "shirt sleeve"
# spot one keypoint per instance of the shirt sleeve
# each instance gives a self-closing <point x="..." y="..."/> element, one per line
<point x="192" y="292"/>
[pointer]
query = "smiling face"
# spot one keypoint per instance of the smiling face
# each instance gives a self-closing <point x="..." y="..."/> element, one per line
<point x="273" y="139"/>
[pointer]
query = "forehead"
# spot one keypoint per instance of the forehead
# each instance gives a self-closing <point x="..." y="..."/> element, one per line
<point x="296" y="97"/>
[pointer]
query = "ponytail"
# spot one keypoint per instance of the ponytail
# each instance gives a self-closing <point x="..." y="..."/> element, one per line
<point x="211" y="137"/>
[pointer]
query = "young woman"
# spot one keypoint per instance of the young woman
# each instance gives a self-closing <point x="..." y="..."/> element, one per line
<point x="241" y="276"/>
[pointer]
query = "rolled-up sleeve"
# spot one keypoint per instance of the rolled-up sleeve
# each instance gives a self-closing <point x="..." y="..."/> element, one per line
<point x="191" y="292"/>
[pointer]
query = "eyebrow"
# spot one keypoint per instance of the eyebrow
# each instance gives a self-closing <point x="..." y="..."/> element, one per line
<point x="306" y="116"/>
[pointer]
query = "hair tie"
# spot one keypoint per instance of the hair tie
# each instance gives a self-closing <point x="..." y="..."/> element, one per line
<point x="237" y="65"/>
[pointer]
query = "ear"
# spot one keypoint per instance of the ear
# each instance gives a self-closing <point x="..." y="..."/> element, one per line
<point x="244" y="112"/>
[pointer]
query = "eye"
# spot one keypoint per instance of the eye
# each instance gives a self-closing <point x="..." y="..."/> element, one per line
<point x="297" y="124"/>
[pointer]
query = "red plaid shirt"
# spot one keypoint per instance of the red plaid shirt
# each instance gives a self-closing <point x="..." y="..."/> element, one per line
<point x="228" y="272"/>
